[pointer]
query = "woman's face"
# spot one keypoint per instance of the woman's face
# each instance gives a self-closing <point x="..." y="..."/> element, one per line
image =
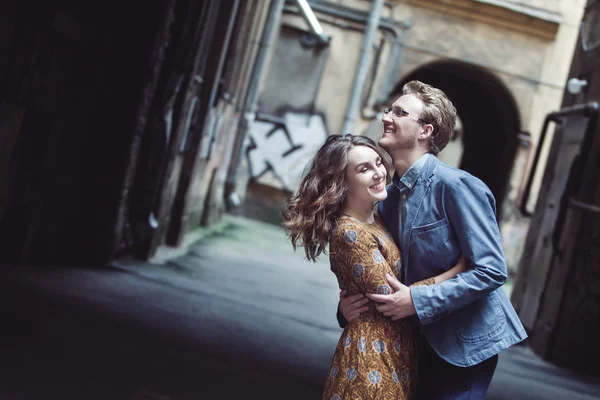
<point x="365" y="175"/>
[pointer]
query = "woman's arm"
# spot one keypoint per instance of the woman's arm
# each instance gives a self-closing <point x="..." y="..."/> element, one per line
<point x="358" y="261"/>
<point x="350" y="307"/>
<point x="461" y="266"/>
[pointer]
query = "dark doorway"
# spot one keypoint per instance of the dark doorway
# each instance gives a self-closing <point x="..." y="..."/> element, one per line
<point x="489" y="116"/>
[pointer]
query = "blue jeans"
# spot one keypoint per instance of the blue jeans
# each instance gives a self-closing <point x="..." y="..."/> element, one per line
<point x="440" y="380"/>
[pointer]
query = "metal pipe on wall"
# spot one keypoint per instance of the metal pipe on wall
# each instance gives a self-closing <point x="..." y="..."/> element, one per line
<point x="312" y="21"/>
<point x="270" y="31"/>
<point x="224" y="51"/>
<point x="363" y="67"/>
<point x="392" y="71"/>
<point x="351" y="14"/>
<point x="387" y="25"/>
<point x="217" y="83"/>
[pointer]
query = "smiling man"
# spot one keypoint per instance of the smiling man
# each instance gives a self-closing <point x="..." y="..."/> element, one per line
<point x="435" y="213"/>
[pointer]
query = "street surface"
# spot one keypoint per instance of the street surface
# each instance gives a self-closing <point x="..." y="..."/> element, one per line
<point x="239" y="315"/>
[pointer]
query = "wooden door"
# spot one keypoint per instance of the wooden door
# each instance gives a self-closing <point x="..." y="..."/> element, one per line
<point x="173" y="113"/>
<point x="558" y="291"/>
<point x="197" y="169"/>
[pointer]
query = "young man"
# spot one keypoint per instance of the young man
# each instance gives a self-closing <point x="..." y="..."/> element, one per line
<point x="436" y="213"/>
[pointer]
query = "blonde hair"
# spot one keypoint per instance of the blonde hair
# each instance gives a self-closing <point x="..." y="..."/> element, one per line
<point x="438" y="111"/>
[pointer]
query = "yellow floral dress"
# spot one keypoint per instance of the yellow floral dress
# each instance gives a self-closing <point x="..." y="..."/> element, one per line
<point x="375" y="357"/>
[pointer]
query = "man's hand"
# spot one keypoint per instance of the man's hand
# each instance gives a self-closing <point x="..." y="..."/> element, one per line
<point x="397" y="305"/>
<point x="352" y="306"/>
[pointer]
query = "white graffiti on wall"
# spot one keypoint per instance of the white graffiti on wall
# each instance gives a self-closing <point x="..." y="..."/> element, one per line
<point x="279" y="150"/>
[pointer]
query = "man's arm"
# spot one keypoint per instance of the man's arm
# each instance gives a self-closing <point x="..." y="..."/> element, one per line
<point x="342" y="321"/>
<point x="400" y="304"/>
<point x="470" y="208"/>
<point x="349" y="308"/>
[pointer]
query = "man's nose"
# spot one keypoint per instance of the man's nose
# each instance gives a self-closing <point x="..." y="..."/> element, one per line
<point x="386" y="118"/>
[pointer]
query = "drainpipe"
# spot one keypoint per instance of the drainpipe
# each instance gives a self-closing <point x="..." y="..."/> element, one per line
<point x="395" y="28"/>
<point x="312" y="21"/>
<point x="269" y="34"/>
<point x="217" y="81"/>
<point x="224" y="51"/>
<point x="354" y="15"/>
<point x="362" y="68"/>
<point x="392" y="71"/>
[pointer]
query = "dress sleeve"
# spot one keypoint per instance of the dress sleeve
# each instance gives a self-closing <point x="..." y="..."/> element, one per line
<point x="360" y="264"/>
<point x="428" y="281"/>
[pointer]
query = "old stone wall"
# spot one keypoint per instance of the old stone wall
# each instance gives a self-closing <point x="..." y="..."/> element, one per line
<point x="527" y="45"/>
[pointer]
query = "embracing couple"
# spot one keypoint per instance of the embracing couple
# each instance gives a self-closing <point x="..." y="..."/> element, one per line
<point x="421" y="303"/>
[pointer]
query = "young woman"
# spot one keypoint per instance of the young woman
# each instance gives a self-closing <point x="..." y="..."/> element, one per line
<point x="375" y="357"/>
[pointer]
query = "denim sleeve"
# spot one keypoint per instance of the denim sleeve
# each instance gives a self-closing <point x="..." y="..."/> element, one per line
<point x="470" y="210"/>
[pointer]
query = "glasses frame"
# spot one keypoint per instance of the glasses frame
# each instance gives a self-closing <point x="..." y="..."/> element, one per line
<point x="403" y="113"/>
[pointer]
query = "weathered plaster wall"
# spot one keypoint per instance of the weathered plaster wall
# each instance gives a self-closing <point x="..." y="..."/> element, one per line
<point x="533" y="65"/>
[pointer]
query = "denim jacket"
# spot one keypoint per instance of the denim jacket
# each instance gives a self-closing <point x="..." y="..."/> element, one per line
<point x="469" y="318"/>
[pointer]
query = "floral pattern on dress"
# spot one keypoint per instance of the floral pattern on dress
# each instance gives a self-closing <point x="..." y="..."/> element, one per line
<point x="351" y="374"/>
<point x="379" y="346"/>
<point x="383" y="362"/>
<point x="406" y="375"/>
<point x="362" y="344"/>
<point x="374" y="377"/>
<point x="334" y="370"/>
<point x="377" y="256"/>
<point x="398" y="345"/>
<point x="358" y="270"/>
<point x="384" y="289"/>
<point x="350" y="236"/>
<point x="347" y="341"/>
<point x="399" y="266"/>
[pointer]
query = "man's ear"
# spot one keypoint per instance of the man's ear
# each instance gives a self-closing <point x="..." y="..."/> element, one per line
<point x="427" y="132"/>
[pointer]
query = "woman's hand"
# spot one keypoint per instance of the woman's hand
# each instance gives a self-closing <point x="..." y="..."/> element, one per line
<point x="352" y="306"/>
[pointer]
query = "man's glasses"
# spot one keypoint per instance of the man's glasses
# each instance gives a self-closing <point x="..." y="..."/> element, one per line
<point x="400" y="112"/>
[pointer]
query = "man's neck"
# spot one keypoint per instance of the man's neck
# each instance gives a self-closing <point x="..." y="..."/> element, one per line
<point x="403" y="160"/>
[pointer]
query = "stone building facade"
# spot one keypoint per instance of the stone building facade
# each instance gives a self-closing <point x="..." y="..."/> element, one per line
<point x="504" y="63"/>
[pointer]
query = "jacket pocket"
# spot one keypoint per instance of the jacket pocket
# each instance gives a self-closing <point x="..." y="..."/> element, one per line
<point x="429" y="227"/>
<point x="481" y="320"/>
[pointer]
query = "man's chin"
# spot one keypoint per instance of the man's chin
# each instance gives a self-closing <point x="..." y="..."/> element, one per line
<point x="384" y="143"/>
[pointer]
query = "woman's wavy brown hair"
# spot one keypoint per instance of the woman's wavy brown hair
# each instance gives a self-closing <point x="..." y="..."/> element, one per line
<point x="309" y="215"/>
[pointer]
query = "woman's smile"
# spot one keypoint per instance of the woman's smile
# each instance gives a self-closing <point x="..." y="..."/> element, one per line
<point x="378" y="187"/>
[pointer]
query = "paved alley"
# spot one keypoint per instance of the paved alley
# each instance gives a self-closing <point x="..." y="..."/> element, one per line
<point x="239" y="315"/>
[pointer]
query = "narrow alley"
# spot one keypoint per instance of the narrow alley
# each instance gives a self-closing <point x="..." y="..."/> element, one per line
<point x="240" y="315"/>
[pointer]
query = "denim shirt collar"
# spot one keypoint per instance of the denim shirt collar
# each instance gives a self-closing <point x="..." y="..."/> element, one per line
<point x="410" y="177"/>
